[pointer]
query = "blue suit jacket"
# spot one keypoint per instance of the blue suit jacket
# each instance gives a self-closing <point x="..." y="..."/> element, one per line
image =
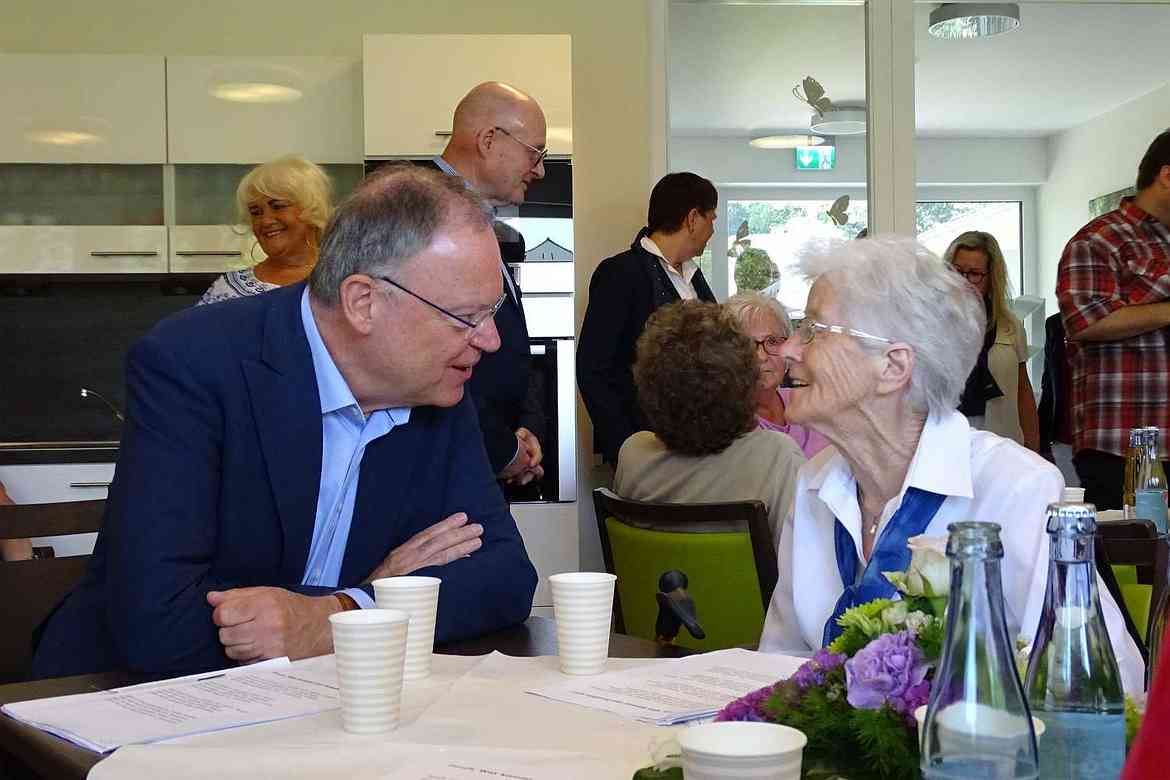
<point x="216" y="487"/>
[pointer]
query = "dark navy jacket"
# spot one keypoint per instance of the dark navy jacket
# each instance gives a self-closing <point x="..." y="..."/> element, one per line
<point x="216" y="487"/>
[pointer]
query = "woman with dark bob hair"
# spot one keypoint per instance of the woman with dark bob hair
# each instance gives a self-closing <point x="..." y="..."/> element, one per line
<point x="696" y="375"/>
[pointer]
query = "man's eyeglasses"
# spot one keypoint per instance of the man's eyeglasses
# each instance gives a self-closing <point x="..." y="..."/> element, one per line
<point x="537" y="155"/>
<point x="468" y="324"/>
<point x="809" y="328"/>
<point x="971" y="275"/>
<point x="770" y="344"/>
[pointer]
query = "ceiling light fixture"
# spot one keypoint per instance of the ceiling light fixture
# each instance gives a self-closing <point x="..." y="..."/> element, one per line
<point x="840" y="120"/>
<point x="62" y="137"/>
<point x="973" y="20"/>
<point x="786" y="141"/>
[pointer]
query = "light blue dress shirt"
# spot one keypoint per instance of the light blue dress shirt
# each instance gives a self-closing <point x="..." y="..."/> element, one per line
<point x="345" y="433"/>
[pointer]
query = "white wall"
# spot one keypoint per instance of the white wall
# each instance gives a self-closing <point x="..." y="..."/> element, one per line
<point x="1096" y="158"/>
<point x="938" y="161"/>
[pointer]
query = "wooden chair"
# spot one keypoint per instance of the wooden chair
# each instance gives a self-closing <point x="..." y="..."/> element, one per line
<point x="1133" y="543"/>
<point x="725" y="550"/>
<point x="32" y="589"/>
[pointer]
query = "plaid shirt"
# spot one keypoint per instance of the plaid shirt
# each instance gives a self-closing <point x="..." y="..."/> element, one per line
<point x="1119" y="259"/>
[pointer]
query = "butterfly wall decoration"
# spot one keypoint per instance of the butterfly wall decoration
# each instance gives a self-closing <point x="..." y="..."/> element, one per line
<point x="813" y="94"/>
<point x="838" y="212"/>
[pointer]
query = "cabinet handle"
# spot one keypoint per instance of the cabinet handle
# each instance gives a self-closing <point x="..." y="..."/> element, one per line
<point x="89" y="484"/>
<point x="206" y="253"/>
<point x="444" y="133"/>
<point x="123" y="254"/>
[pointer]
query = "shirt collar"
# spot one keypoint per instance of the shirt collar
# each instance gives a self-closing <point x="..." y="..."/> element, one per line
<point x="331" y="385"/>
<point x="686" y="271"/>
<point x="1134" y="211"/>
<point x="499" y="210"/>
<point x="940" y="464"/>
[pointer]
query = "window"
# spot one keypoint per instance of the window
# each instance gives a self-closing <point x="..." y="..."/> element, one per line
<point x="939" y="222"/>
<point x="780" y="228"/>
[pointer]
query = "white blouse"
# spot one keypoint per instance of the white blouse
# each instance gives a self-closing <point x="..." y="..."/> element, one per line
<point x="997" y="481"/>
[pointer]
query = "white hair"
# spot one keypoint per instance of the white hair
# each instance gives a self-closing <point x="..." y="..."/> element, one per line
<point x="893" y="286"/>
<point x="746" y="305"/>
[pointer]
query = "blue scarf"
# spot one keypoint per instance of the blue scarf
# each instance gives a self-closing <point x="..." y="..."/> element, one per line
<point x="889" y="554"/>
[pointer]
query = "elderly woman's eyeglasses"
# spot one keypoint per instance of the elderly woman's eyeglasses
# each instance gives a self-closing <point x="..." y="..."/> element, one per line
<point x="970" y="274"/>
<point x="808" y="328"/>
<point x="468" y="324"/>
<point x="537" y="155"/>
<point x="770" y="344"/>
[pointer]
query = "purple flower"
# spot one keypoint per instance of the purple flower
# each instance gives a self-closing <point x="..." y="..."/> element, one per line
<point x="749" y="707"/>
<point x="812" y="672"/>
<point x="890" y="669"/>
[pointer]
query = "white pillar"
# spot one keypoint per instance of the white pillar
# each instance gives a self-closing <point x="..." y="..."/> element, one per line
<point x="889" y="97"/>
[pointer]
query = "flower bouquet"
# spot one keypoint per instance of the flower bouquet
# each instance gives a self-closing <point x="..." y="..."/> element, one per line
<point x="855" y="699"/>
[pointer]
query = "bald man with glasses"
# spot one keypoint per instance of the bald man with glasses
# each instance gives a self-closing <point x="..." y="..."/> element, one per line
<point x="497" y="148"/>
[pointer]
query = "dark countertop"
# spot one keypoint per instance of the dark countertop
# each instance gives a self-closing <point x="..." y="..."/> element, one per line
<point x="21" y="453"/>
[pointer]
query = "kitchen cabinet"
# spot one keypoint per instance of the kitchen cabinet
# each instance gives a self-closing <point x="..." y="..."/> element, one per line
<point x="206" y="236"/>
<point x="248" y="110"/>
<point x="51" y="483"/>
<point x="83" y="249"/>
<point x="82" y="108"/>
<point x="413" y="83"/>
<point x="550" y="536"/>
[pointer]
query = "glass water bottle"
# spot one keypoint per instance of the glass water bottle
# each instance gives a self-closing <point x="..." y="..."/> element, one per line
<point x="977" y="723"/>
<point x="1158" y="626"/>
<point x="1150" y="483"/>
<point x="1134" y="454"/>
<point x="1073" y="683"/>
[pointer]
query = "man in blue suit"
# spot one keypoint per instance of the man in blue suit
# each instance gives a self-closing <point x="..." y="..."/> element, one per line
<point x="282" y="451"/>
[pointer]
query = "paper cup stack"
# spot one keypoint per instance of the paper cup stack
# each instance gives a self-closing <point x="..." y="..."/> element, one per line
<point x="419" y="598"/>
<point x="370" y="645"/>
<point x="760" y="751"/>
<point x="583" y="605"/>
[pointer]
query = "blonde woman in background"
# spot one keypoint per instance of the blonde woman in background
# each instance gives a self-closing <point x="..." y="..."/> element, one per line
<point x="287" y="203"/>
<point x="998" y="396"/>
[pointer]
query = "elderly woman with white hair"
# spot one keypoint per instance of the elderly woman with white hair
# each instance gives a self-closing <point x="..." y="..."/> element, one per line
<point x="764" y="321"/>
<point x="878" y="363"/>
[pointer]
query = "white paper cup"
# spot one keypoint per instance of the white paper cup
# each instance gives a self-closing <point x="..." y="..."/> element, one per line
<point x="583" y="606"/>
<point x="735" y="750"/>
<point x="419" y="598"/>
<point x="369" y="645"/>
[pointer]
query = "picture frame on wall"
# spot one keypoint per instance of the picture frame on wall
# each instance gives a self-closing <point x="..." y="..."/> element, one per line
<point x="1103" y="204"/>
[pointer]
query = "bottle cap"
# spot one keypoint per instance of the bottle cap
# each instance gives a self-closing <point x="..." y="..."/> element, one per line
<point x="1066" y="517"/>
<point x="1074" y="495"/>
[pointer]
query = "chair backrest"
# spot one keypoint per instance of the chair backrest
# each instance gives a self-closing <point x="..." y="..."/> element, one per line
<point x="725" y="550"/>
<point x="1134" y="543"/>
<point x="32" y="589"/>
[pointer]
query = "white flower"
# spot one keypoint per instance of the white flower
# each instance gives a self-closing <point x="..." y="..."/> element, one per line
<point x="916" y="621"/>
<point x="894" y="615"/>
<point x="929" y="572"/>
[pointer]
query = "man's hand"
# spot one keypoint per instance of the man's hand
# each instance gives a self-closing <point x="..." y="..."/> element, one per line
<point x="445" y="541"/>
<point x="525" y="467"/>
<point x="259" y="623"/>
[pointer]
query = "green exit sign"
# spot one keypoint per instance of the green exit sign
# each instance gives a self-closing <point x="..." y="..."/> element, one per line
<point x="816" y="158"/>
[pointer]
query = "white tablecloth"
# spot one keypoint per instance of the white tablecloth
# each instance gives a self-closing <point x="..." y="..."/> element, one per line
<point x="467" y="705"/>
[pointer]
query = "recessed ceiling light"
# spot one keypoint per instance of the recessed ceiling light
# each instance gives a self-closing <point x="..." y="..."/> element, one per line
<point x="973" y="20"/>
<point x="254" y="92"/>
<point x="839" y="121"/>
<point x="61" y="137"/>
<point x="790" y="141"/>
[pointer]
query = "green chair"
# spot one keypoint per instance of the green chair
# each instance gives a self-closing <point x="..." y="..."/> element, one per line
<point x="725" y="550"/>
<point x="1133" y="560"/>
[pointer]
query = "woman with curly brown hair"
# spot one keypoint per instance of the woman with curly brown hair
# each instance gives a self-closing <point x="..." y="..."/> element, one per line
<point x="696" y="375"/>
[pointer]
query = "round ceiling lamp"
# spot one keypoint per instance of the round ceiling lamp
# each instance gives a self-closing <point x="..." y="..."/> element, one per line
<point x="786" y="141"/>
<point x="973" y="20"/>
<point x="839" y="121"/>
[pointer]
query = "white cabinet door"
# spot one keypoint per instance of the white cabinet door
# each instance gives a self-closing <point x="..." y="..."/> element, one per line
<point x="254" y="109"/>
<point x="413" y="83"/>
<point x="93" y="108"/>
<point x="550" y="536"/>
<point x="83" y="249"/>
<point x="51" y="483"/>
<point x="209" y="248"/>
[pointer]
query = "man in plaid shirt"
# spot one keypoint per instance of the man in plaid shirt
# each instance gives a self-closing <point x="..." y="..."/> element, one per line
<point x="1113" y="286"/>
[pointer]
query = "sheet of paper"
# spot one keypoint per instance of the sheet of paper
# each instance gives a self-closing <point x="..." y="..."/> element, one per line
<point x="687" y="689"/>
<point x="197" y="704"/>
